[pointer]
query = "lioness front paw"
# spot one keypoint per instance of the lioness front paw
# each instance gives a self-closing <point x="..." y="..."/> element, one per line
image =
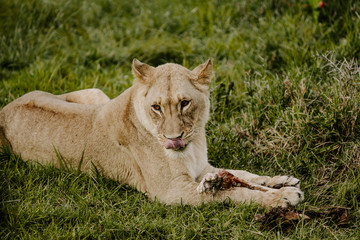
<point x="284" y="197"/>
<point x="210" y="182"/>
<point x="283" y="181"/>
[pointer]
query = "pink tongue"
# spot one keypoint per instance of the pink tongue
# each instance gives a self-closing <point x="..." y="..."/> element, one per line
<point x="174" y="143"/>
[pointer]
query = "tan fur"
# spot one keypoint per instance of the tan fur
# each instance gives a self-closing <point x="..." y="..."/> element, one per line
<point x="125" y="137"/>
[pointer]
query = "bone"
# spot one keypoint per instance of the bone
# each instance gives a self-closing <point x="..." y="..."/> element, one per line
<point x="224" y="180"/>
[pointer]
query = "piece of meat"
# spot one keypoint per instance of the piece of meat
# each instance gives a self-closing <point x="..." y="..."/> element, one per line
<point x="224" y="180"/>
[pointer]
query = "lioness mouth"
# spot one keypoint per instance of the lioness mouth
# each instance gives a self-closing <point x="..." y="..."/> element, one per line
<point x="175" y="144"/>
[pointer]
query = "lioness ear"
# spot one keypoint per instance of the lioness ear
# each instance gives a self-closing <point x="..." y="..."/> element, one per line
<point x="142" y="71"/>
<point x="203" y="73"/>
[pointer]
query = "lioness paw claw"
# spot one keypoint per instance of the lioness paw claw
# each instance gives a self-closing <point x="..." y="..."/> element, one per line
<point x="286" y="196"/>
<point x="283" y="181"/>
<point x="208" y="183"/>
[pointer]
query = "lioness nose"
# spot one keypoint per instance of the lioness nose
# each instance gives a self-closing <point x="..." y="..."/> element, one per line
<point x="173" y="136"/>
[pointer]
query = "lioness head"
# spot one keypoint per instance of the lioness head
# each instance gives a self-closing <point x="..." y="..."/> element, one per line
<point x="172" y="102"/>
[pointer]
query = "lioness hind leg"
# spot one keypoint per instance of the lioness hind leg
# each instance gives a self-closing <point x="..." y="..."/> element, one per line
<point x="91" y="96"/>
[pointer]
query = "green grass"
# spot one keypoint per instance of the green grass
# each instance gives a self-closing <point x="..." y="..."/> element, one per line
<point x="285" y="100"/>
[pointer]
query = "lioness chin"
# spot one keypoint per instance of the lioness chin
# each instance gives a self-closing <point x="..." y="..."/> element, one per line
<point x="151" y="137"/>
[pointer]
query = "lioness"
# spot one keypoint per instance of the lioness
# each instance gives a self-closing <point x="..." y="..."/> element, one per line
<point x="151" y="137"/>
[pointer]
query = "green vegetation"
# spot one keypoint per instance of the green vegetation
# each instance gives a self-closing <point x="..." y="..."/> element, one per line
<point x="285" y="100"/>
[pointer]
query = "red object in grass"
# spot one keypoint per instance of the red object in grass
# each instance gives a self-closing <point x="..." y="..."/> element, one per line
<point x="321" y="4"/>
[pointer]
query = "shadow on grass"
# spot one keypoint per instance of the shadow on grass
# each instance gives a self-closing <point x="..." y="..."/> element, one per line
<point x="6" y="161"/>
<point x="34" y="196"/>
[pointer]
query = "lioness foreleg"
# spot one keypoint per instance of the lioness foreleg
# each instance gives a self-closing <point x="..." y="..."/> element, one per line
<point x="187" y="191"/>
<point x="272" y="182"/>
<point x="225" y="180"/>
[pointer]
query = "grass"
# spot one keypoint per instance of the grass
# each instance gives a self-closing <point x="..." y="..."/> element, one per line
<point x="285" y="100"/>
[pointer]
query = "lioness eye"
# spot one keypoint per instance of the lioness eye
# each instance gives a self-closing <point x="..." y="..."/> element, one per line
<point x="156" y="107"/>
<point x="184" y="103"/>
